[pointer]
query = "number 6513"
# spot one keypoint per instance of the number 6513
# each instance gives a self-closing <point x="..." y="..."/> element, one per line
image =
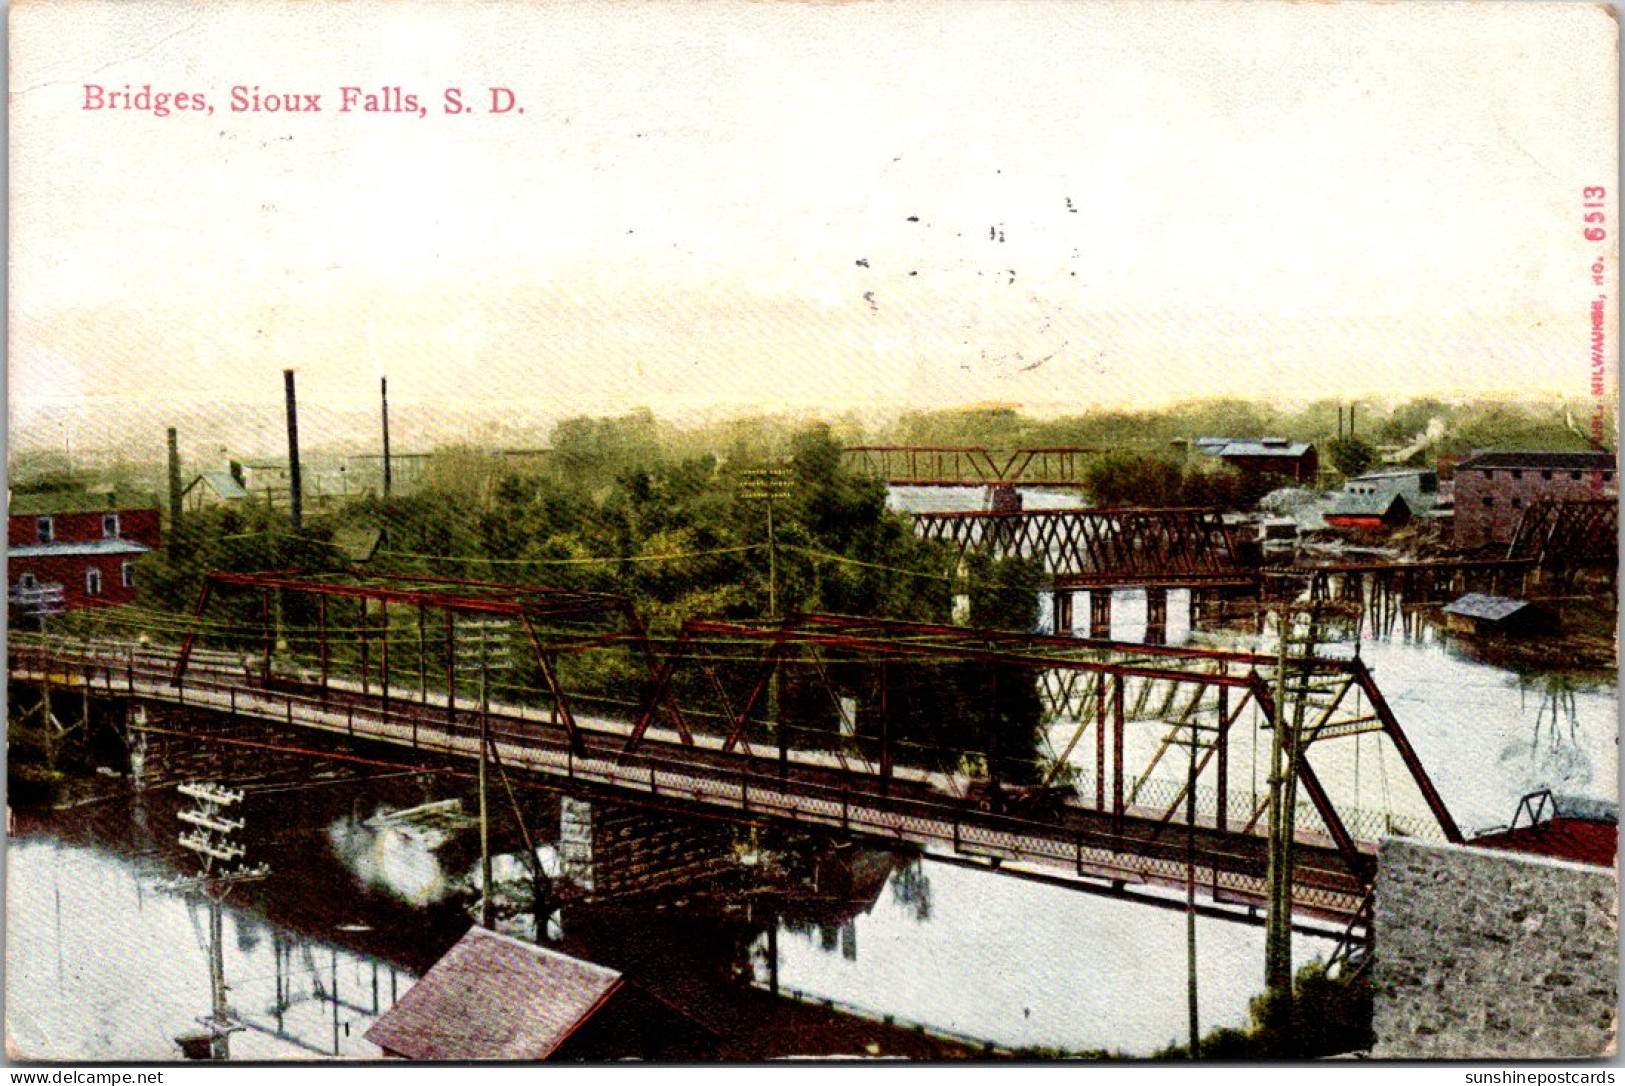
<point x="1594" y="195"/>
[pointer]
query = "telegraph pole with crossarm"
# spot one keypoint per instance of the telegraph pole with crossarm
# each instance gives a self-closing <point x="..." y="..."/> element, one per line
<point x="769" y="485"/>
<point x="211" y="839"/>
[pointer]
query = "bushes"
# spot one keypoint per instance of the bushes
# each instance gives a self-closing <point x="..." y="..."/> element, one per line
<point x="1326" y="1017"/>
<point x="1135" y="480"/>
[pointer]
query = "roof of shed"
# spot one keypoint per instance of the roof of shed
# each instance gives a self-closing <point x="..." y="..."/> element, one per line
<point x="1252" y="446"/>
<point x="223" y="483"/>
<point x="1345" y="504"/>
<point x="1490" y="608"/>
<point x="493" y="997"/>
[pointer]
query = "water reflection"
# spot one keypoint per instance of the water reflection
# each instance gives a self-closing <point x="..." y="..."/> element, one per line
<point x="1130" y="615"/>
<point x="99" y="966"/>
<point x="1486" y="734"/>
<point x="400" y="862"/>
<point x="1025" y="965"/>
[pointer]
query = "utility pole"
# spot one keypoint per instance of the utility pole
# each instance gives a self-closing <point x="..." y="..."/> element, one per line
<point x="769" y="485"/>
<point x="1190" y="898"/>
<point x="295" y="488"/>
<point x="174" y="483"/>
<point x="383" y="387"/>
<point x="485" y="633"/>
<point x="1277" y="950"/>
<point x="211" y="840"/>
<point x="485" y="812"/>
<point x="1291" y="684"/>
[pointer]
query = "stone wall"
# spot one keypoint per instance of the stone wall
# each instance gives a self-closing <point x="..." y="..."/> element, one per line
<point x="1492" y="955"/>
<point x="610" y="851"/>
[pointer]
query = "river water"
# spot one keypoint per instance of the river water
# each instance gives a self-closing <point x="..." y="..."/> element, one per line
<point x="102" y="963"/>
<point x="1039" y="966"/>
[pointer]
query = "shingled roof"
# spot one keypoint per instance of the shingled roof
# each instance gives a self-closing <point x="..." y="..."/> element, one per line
<point x="493" y="997"/>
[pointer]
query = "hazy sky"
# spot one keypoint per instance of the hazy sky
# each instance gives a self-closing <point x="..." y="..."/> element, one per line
<point x="777" y="204"/>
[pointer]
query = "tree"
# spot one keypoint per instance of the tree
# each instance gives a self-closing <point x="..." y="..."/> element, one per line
<point x="1351" y="456"/>
<point x="1136" y="480"/>
<point x="1132" y="479"/>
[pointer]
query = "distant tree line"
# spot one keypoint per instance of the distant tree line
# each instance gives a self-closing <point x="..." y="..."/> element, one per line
<point x="1476" y="424"/>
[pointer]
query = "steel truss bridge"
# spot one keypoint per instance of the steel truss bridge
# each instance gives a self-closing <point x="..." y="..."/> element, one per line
<point x="970" y="465"/>
<point x="1568" y="533"/>
<point x="1125" y="731"/>
<point x="1101" y="548"/>
<point x="1554" y="539"/>
<point x="1192" y="548"/>
<point x="1427" y="581"/>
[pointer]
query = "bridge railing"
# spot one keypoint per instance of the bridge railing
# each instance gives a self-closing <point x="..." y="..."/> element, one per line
<point x="1229" y="866"/>
<point x="234" y="684"/>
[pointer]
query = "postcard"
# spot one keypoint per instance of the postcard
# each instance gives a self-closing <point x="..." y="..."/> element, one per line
<point x="580" y="531"/>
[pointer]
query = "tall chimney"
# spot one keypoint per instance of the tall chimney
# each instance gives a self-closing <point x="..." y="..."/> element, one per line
<point x="295" y="493"/>
<point x="383" y="385"/>
<point x="174" y="480"/>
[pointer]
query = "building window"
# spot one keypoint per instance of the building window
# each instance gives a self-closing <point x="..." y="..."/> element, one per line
<point x="1516" y="474"/>
<point x="47" y="529"/>
<point x="93" y="582"/>
<point x="126" y="574"/>
<point x="1547" y="475"/>
<point x="110" y="525"/>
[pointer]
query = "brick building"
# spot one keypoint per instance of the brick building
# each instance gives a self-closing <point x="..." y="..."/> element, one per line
<point x="1494" y="488"/>
<point x="64" y="553"/>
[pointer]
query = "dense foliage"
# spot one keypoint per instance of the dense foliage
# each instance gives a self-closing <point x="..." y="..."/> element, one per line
<point x="773" y="530"/>
<point x="1326" y="1016"/>
<point x="1456" y="428"/>
<point x="1125" y="479"/>
<point x="1351" y="456"/>
<point x="746" y="519"/>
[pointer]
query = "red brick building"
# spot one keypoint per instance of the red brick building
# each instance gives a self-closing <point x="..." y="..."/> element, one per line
<point x="1494" y="488"/>
<point x="61" y="556"/>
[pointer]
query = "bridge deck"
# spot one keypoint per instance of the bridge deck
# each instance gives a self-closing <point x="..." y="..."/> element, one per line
<point x="812" y="788"/>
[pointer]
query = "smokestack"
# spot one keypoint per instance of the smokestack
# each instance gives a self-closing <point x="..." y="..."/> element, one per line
<point x="174" y="480"/>
<point x="383" y="385"/>
<point x="295" y="492"/>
